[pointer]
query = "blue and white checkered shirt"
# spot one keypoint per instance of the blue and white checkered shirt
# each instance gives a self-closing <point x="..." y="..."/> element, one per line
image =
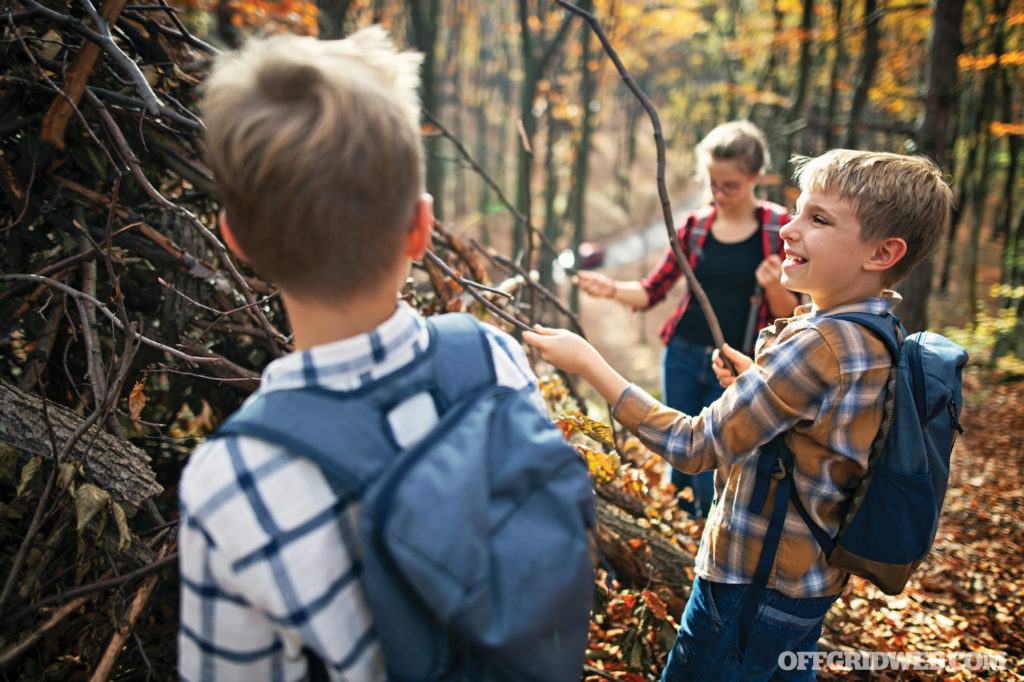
<point x="264" y="571"/>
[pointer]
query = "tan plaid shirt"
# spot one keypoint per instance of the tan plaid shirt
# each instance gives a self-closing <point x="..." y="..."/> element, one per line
<point x="821" y="381"/>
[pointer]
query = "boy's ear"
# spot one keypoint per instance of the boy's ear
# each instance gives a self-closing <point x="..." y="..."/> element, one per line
<point x="228" y="236"/>
<point x="887" y="253"/>
<point x="422" y="223"/>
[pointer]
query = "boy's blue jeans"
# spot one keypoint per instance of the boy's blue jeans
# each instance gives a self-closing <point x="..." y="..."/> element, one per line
<point x="707" y="646"/>
<point x="689" y="384"/>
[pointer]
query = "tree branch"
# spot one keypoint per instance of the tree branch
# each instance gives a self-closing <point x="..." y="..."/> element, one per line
<point x="666" y="207"/>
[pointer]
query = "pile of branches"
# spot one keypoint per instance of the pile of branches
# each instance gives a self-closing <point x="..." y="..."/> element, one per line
<point x="127" y="332"/>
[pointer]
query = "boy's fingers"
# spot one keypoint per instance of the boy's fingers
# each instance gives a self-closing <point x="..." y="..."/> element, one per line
<point x="537" y="338"/>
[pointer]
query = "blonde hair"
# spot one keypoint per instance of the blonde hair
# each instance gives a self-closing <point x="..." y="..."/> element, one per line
<point x="316" y="150"/>
<point x="892" y="195"/>
<point x="739" y="141"/>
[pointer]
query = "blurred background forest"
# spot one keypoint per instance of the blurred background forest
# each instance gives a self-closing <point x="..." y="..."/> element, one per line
<point x="127" y="332"/>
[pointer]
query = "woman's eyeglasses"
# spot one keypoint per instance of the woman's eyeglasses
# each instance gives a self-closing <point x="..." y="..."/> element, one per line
<point x="727" y="188"/>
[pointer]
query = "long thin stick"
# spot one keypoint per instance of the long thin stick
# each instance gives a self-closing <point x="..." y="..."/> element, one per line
<point x="666" y="207"/>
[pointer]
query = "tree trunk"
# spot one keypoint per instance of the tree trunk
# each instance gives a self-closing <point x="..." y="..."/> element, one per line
<point x="331" y="17"/>
<point x="1015" y="252"/>
<point x="114" y="465"/>
<point x="588" y="85"/>
<point x="624" y="169"/>
<point x="838" y="62"/>
<point x="536" y="55"/>
<point x="866" y="73"/>
<point x="454" y="88"/>
<point x="796" y="108"/>
<point x="981" y="181"/>
<point x="545" y="261"/>
<point x="485" y="79"/>
<point x="1014" y="150"/>
<point x="424" y="15"/>
<point x="944" y="46"/>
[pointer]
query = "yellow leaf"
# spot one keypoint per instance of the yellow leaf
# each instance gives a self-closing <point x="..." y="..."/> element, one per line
<point x="603" y="467"/>
<point x="124" y="534"/>
<point x="595" y="430"/>
<point x="89" y="500"/>
<point x="66" y="477"/>
<point x="8" y="463"/>
<point x="29" y="473"/>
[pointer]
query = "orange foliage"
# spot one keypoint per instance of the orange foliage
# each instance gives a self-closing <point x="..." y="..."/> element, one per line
<point x="980" y="63"/>
<point x="268" y="16"/>
<point x="1000" y="129"/>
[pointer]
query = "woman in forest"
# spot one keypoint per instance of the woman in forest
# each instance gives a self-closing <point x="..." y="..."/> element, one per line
<point x="732" y="244"/>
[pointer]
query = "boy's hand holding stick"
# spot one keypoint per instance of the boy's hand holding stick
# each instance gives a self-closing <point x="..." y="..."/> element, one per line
<point x="571" y="353"/>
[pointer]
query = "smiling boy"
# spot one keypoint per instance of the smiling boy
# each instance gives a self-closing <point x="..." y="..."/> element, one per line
<point x="865" y="220"/>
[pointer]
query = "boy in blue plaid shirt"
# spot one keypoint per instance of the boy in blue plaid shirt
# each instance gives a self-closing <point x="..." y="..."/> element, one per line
<point x="316" y="149"/>
<point x="865" y="220"/>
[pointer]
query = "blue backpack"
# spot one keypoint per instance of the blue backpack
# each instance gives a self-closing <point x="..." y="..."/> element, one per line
<point x="475" y="552"/>
<point x="893" y="513"/>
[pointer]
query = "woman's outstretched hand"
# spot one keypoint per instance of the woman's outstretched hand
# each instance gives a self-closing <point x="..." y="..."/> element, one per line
<point x="596" y="284"/>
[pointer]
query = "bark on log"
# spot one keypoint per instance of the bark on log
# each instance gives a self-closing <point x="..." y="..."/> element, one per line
<point x="655" y="559"/>
<point x="114" y="465"/>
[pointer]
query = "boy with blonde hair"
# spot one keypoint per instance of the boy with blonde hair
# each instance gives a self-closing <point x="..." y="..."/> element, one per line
<point x="865" y="219"/>
<point x="316" y="150"/>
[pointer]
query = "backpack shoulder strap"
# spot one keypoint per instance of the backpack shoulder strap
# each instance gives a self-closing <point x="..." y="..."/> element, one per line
<point x="461" y="355"/>
<point x="701" y="224"/>
<point x="771" y="223"/>
<point x="313" y="422"/>
<point x="887" y="327"/>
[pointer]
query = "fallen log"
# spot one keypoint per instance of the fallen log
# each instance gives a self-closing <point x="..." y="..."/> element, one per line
<point x="642" y="556"/>
<point x="116" y="466"/>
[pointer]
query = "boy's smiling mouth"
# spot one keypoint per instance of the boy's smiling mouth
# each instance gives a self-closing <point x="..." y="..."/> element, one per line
<point x="793" y="260"/>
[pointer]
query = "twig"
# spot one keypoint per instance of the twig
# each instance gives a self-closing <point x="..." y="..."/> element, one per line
<point x="94" y="359"/>
<point x="126" y="101"/>
<point x="215" y="243"/>
<point x="591" y="670"/>
<point x="103" y="309"/>
<point x="11" y="654"/>
<point x="432" y="257"/>
<point x="541" y="289"/>
<point x="56" y="118"/>
<point x="478" y="169"/>
<point x="128" y="65"/>
<point x="183" y="32"/>
<point x="120" y="635"/>
<point x="136" y="170"/>
<point x="666" y="207"/>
